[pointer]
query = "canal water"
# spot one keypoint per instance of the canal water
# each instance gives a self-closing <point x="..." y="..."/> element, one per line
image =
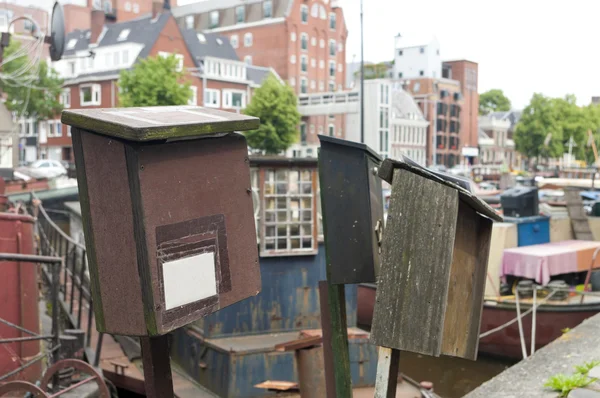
<point x="452" y="377"/>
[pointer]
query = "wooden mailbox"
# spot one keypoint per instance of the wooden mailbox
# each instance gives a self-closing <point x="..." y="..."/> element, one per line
<point x="352" y="205"/>
<point x="167" y="211"/>
<point x="434" y="264"/>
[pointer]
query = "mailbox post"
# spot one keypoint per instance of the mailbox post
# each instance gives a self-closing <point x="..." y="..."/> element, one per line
<point x="168" y="219"/>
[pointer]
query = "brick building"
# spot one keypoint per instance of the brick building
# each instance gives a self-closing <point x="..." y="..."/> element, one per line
<point x="211" y="64"/>
<point x="466" y="72"/>
<point x="442" y="104"/>
<point x="303" y="40"/>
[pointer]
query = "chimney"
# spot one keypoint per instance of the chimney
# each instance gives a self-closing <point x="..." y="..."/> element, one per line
<point x="157" y="7"/>
<point x="98" y="19"/>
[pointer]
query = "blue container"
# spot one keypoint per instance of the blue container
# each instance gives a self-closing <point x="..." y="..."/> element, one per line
<point x="531" y="230"/>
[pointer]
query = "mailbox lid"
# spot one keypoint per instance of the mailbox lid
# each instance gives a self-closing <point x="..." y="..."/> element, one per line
<point x="158" y="122"/>
<point x="349" y="192"/>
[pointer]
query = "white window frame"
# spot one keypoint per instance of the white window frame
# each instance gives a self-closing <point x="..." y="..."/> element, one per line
<point x="211" y="16"/>
<point x="303" y="82"/>
<point x="332" y="14"/>
<point x="136" y="8"/>
<point x="248" y="39"/>
<point x="313" y="41"/>
<point x="292" y="81"/>
<point x="65" y="97"/>
<point x="235" y="41"/>
<point x="243" y="8"/>
<point x="227" y="99"/>
<point x="293" y="36"/>
<point x="313" y="84"/>
<point x="313" y="63"/>
<point x="128" y="6"/>
<point x="270" y="8"/>
<point x="321" y="85"/>
<point x="248" y="59"/>
<point x="194" y="99"/>
<point x="123" y="34"/>
<point x="304" y="61"/>
<point x="321" y="64"/>
<point x="330" y="69"/>
<point x="303" y="7"/>
<point x="331" y="130"/>
<point x="292" y="59"/>
<point x="189" y="21"/>
<point x="332" y="47"/>
<point x="303" y="38"/>
<point x="322" y="43"/>
<point x="125" y="57"/>
<point x="209" y="95"/>
<point x="96" y="92"/>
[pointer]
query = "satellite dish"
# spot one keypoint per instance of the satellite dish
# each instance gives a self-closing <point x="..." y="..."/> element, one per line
<point x="57" y="32"/>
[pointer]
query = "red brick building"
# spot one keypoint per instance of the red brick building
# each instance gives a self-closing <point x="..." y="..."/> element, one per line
<point x="303" y="40"/>
<point x="466" y="72"/>
<point x="210" y="62"/>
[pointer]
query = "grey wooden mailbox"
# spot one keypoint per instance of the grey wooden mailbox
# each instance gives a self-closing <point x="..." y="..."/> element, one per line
<point x="167" y="211"/>
<point x="352" y="207"/>
<point x="434" y="264"/>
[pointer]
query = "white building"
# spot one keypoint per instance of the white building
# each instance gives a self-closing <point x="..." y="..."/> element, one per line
<point x="409" y="128"/>
<point x="495" y="146"/>
<point x="417" y="57"/>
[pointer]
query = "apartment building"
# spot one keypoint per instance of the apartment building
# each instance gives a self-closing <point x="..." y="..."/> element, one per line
<point x="93" y="59"/>
<point x="416" y="57"/>
<point x="304" y="41"/>
<point x="496" y="144"/>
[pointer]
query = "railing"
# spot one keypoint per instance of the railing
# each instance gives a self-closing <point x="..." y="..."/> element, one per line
<point x="74" y="281"/>
<point x="329" y="98"/>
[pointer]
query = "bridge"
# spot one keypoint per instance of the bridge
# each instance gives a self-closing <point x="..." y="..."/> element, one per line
<point x="331" y="103"/>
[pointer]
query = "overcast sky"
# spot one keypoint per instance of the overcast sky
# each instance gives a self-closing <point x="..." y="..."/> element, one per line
<point x="522" y="46"/>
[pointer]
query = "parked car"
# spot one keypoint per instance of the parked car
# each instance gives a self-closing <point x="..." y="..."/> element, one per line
<point x="47" y="168"/>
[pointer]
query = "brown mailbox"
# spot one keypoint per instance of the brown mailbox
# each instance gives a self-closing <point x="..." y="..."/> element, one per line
<point x="434" y="264"/>
<point x="167" y="211"/>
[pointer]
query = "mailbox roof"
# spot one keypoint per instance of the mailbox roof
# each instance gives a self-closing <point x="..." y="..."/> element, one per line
<point x="351" y="144"/>
<point x="158" y="123"/>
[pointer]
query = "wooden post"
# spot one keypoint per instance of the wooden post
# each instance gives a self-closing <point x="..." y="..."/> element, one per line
<point x="388" y="365"/>
<point x="335" y="340"/>
<point x="157" y="367"/>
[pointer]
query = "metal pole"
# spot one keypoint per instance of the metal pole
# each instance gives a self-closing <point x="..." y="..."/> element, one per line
<point x="157" y="367"/>
<point x="55" y="319"/>
<point x="362" y="78"/>
<point x="434" y="130"/>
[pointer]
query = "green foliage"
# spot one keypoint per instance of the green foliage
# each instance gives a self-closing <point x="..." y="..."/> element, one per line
<point x="586" y="367"/>
<point x="562" y="119"/>
<point x="154" y="81"/>
<point x="275" y="104"/>
<point x="565" y="330"/>
<point x="374" y="71"/>
<point x="564" y="384"/>
<point x="33" y="94"/>
<point x="493" y="101"/>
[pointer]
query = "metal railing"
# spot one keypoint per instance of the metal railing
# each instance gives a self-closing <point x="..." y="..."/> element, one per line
<point x="329" y="98"/>
<point x="74" y="283"/>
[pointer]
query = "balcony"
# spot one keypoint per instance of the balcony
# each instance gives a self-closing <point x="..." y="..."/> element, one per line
<point x="329" y="103"/>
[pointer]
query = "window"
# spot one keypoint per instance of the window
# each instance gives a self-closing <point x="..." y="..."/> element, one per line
<point x="304" y="13"/>
<point x="127" y="6"/>
<point x="89" y="94"/>
<point x="321" y="85"/>
<point x="331" y="130"/>
<point x="240" y="14"/>
<point x="399" y="53"/>
<point x="422" y="50"/>
<point x="303" y="85"/>
<point x="304" y="41"/>
<point x="313" y="84"/>
<point x="71" y="44"/>
<point x="179" y="58"/>
<point x="267" y="9"/>
<point x="332" y="21"/>
<point x="321" y="64"/>
<point x="65" y="98"/>
<point x="331" y="86"/>
<point x="322" y="43"/>
<point x="384" y="121"/>
<point x="248" y="59"/>
<point x="303" y="63"/>
<point x="107" y="6"/>
<point x="27" y="24"/>
<point x="292" y="82"/>
<point x="437" y="51"/>
<point x="421" y="73"/>
<point x="234" y="99"/>
<point x="332" y="68"/>
<point x="332" y="48"/>
<point x="340" y="68"/>
<point x="289" y="213"/>
<point x="313" y="62"/>
<point x="136" y="8"/>
<point x="248" y="40"/>
<point x="194" y="99"/>
<point x="125" y="57"/>
<point x="214" y="19"/>
<point x="123" y="34"/>
<point x="384" y="94"/>
<point x="303" y="133"/>
<point x="293" y="59"/>
<point x="417" y="87"/>
<point x="293" y="36"/>
<point x="116" y="58"/>
<point x="212" y="98"/>
<point x="234" y="41"/>
<point x="313" y="41"/>
<point x="340" y="47"/>
<point x="312" y="129"/>
<point x="58" y="129"/>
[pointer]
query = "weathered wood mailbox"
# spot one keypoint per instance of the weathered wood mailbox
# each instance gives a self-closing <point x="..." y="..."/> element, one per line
<point x="167" y="209"/>
<point x="434" y="264"/>
<point x="352" y="204"/>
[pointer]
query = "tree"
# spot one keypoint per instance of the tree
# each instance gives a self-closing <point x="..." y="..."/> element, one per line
<point x="276" y="105"/>
<point x="154" y="81"/>
<point x="493" y="101"/>
<point x="32" y="88"/>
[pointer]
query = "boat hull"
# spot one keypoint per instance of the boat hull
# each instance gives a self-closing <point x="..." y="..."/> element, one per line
<point x="551" y="320"/>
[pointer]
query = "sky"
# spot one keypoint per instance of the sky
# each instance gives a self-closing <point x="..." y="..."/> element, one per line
<point x="521" y="46"/>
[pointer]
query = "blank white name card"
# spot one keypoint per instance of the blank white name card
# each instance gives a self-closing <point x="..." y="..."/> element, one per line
<point x="189" y="279"/>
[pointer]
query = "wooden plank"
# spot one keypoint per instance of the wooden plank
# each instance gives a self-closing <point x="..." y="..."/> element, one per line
<point x="386" y="381"/>
<point x="299" y="344"/>
<point x="579" y="221"/>
<point x="416" y="261"/>
<point x="159" y="122"/>
<point x="467" y="283"/>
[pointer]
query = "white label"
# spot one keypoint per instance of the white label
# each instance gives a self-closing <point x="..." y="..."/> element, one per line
<point x="189" y="279"/>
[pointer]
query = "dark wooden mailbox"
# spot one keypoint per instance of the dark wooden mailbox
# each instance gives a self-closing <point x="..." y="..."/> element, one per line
<point x="167" y="211"/>
<point x="352" y="206"/>
<point x="434" y="264"/>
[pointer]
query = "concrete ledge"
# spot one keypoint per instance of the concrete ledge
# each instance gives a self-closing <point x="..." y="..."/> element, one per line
<point x="527" y="378"/>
